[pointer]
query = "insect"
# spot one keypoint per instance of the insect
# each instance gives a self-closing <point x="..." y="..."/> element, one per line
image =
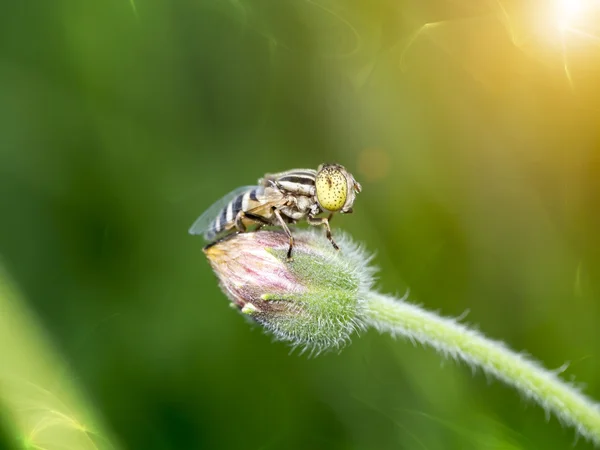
<point x="280" y="199"/>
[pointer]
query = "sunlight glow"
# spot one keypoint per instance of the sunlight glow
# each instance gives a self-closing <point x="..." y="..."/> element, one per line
<point x="574" y="14"/>
<point x="575" y="19"/>
<point x="568" y="11"/>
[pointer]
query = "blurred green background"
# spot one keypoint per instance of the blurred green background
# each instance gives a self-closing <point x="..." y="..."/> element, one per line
<point x="475" y="137"/>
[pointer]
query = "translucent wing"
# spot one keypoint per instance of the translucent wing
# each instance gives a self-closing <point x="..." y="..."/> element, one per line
<point x="205" y="223"/>
<point x="270" y="197"/>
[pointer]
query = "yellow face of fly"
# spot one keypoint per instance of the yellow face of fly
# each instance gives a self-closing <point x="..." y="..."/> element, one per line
<point x="332" y="188"/>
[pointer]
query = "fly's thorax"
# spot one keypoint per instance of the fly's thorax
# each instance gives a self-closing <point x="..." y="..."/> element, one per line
<point x="336" y="188"/>
<point x="297" y="188"/>
<point x="295" y="181"/>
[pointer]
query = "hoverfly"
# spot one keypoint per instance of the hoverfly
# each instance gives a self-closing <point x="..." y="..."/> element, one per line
<point x="280" y="199"/>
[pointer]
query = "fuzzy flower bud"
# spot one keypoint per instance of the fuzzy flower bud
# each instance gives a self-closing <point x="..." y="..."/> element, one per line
<point x="315" y="301"/>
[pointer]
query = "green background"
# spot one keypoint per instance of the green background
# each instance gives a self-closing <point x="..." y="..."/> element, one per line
<point x="476" y="141"/>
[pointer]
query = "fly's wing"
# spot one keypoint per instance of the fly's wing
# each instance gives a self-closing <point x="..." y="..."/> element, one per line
<point x="269" y="198"/>
<point x="205" y="223"/>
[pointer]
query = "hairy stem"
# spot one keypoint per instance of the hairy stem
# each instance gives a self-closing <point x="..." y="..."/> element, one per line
<point x="459" y="342"/>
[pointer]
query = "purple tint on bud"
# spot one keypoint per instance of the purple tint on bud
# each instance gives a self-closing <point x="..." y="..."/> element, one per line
<point x="247" y="270"/>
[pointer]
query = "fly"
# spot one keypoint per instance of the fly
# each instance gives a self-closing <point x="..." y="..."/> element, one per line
<point x="280" y="199"/>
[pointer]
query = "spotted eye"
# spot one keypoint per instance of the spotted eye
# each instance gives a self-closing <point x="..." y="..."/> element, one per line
<point x="332" y="189"/>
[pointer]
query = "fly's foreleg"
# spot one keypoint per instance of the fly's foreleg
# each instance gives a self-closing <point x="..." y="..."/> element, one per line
<point x="287" y="232"/>
<point x="316" y="221"/>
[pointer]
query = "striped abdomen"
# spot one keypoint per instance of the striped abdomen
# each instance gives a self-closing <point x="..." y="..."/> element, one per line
<point x="245" y="201"/>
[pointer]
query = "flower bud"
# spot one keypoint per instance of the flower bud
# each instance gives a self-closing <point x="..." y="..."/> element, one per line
<point x="314" y="301"/>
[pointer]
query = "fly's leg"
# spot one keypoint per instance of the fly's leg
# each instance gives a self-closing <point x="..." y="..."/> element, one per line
<point x="258" y="219"/>
<point x="316" y="221"/>
<point x="287" y="232"/>
<point x="239" y="221"/>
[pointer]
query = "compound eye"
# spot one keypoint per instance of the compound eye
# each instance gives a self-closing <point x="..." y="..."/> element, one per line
<point x="332" y="189"/>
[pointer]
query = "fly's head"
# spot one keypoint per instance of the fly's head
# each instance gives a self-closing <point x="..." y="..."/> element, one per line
<point x="336" y="188"/>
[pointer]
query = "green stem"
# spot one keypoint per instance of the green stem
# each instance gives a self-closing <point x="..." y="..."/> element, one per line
<point x="459" y="342"/>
